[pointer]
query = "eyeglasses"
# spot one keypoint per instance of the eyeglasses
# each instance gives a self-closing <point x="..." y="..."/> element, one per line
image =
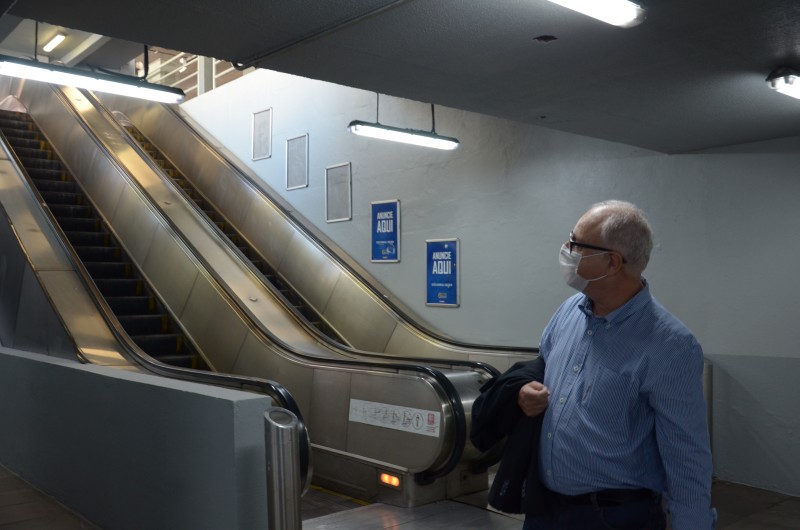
<point x="571" y="244"/>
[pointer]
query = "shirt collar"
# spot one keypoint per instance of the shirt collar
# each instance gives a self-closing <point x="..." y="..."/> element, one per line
<point x="630" y="307"/>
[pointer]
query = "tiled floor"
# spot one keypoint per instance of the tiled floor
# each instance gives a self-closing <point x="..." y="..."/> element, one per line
<point x="740" y="508"/>
<point x="24" y="508"/>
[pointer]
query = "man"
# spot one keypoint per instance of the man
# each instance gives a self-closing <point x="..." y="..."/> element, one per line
<point x="624" y="414"/>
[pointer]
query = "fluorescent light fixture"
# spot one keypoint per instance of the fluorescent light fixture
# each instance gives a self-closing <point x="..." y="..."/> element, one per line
<point x="616" y="12"/>
<point x="55" y="41"/>
<point x="406" y="136"/>
<point x="786" y="81"/>
<point x="113" y="84"/>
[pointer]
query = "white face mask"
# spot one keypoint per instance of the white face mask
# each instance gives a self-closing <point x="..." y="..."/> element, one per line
<point x="569" y="262"/>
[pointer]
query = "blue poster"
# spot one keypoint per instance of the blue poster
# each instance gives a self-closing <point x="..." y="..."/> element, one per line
<point x="442" y="262"/>
<point x="385" y="232"/>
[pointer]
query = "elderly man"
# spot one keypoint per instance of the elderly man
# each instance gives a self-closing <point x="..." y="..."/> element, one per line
<point x="624" y="414"/>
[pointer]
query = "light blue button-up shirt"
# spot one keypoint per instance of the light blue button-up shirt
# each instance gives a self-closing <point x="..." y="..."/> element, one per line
<point x="626" y="406"/>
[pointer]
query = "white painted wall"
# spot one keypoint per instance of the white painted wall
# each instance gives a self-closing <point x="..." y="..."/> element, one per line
<point x="725" y="224"/>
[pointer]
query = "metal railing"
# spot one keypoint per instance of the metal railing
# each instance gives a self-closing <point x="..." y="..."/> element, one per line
<point x="187" y="72"/>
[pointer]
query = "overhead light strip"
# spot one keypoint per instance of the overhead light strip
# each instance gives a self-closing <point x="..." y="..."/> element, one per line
<point x="112" y="84"/>
<point x="406" y="136"/>
<point x="55" y="41"/>
<point x="620" y="13"/>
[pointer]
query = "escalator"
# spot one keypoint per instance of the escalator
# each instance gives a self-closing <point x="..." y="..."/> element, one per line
<point x="368" y="414"/>
<point x="236" y="239"/>
<point x="342" y="293"/>
<point x="140" y="312"/>
<point x="146" y="337"/>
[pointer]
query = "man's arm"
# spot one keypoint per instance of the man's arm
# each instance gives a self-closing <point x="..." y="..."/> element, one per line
<point x="683" y="441"/>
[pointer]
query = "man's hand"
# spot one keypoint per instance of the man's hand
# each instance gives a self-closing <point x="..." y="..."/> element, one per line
<point x="532" y="398"/>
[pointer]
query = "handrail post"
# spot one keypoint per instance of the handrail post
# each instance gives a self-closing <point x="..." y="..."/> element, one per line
<point x="281" y="437"/>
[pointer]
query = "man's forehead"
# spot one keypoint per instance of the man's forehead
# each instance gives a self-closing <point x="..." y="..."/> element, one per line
<point x="588" y="225"/>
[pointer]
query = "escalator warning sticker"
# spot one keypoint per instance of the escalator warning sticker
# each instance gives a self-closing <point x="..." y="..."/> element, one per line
<point x="418" y="421"/>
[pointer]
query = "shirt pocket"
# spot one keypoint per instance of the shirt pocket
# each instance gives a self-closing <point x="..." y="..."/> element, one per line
<point x="607" y="399"/>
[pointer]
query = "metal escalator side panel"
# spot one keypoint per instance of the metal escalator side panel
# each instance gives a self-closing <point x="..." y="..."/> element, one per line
<point x="72" y="308"/>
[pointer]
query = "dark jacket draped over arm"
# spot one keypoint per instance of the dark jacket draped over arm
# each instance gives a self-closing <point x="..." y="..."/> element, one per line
<point x="495" y="415"/>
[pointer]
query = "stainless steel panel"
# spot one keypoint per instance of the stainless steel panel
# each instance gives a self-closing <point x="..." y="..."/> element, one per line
<point x="170" y="270"/>
<point x="29" y="221"/>
<point x="330" y="407"/>
<point x="407" y="449"/>
<point x="81" y="317"/>
<point x="212" y="323"/>
<point x="406" y="341"/>
<point x="268" y="231"/>
<point x="310" y="272"/>
<point x="257" y="360"/>
<point x="38" y="327"/>
<point x="368" y="325"/>
<point x="135" y="225"/>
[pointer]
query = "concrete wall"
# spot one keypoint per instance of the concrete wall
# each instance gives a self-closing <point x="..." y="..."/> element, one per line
<point x="133" y="451"/>
<point x="725" y="222"/>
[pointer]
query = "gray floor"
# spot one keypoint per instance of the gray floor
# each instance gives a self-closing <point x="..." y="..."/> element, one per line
<point x="740" y="507"/>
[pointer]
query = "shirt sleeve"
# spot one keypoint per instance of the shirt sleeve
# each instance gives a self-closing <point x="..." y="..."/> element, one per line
<point x="682" y="436"/>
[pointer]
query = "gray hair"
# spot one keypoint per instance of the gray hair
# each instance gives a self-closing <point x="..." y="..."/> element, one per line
<point x="626" y="230"/>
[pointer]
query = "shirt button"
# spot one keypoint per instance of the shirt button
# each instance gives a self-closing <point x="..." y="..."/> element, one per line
<point x="590" y="332"/>
<point x="562" y="400"/>
<point x="576" y="368"/>
<point x="549" y="435"/>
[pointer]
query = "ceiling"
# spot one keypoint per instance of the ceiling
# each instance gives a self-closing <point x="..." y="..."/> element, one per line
<point x="690" y="77"/>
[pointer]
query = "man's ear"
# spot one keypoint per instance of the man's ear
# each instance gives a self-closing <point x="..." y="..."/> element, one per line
<point x="616" y="262"/>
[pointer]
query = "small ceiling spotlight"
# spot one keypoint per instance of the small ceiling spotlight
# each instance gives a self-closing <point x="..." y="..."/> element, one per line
<point x="620" y="13"/>
<point x="786" y="81"/>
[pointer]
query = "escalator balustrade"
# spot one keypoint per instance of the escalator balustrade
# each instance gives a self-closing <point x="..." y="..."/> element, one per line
<point x="138" y="310"/>
<point x="233" y="235"/>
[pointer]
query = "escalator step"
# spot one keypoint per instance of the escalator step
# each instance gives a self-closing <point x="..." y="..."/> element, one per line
<point x="101" y="269"/>
<point x="104" y="254"/>
<point x="37" y="159"/>
<point x="46" y="174"/>
<point x="63" y="186"/>
<point x="183" y="361"/>
<point x="80" y="224"/>
<point x="145" y="324"/>
<point x="89" y="239"/>
<point x="16" y="133"/>
<point x="27" y="143"/>
<point x="35" y="156"/>
<point x="61" y="197"/>
<point x="159" y="345"/>
<point x="120" y="286"/>
<point x="132" y="305"/>
<point x="70" y="210"/>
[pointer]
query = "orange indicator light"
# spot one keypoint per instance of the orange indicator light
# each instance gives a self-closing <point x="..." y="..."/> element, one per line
<point x="390" y="480"/>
